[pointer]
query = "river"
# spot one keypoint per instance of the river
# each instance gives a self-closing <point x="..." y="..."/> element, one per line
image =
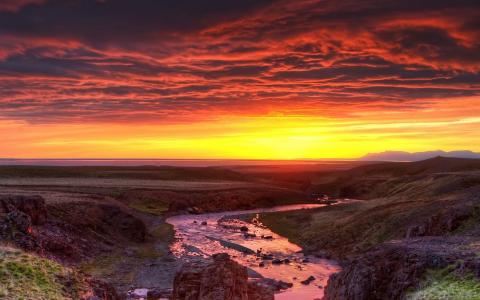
<point x="196" y="241"/>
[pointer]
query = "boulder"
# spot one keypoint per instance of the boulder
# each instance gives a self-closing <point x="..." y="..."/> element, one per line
<point x="390" y="270"/>
<point x="308" y="280"/>
<point x="275" y="285"/>
<point x="259" y="291"/>
<point x="16" y="227"/>
<point x="221" y="279"/>
<point x="231" y="245"/>
<point x="277" y="261"/>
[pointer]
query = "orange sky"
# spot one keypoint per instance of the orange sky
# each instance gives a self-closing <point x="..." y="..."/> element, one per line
<point x="449" y="127"/>
<point x="260" y="79"/>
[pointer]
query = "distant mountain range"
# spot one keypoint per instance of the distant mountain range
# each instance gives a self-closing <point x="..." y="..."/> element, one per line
<point x="417" y="156"/>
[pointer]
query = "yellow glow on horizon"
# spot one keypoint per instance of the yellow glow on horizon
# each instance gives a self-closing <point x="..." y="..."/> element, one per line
<point x="448" y="127"/>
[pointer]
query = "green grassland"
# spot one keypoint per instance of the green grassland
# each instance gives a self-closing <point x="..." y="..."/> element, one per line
<point x="390" y="207"/>
<point x="443" y="284"/>
<point x="26" y="276"/>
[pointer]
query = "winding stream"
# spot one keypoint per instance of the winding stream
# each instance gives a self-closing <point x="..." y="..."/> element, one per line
<point x="195" y="240"/>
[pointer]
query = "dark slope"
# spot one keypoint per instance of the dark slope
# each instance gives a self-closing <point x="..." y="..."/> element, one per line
<point x="421" y="218"/>
<point x="382" y="179"/>
<point x="429" y="166"/>
<point x="417" y="156"/>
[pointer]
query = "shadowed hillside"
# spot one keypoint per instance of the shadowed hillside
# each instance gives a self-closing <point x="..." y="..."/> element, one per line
<point x="141" y="172"/>
<point x="438" y="197"/>
<point x="383" y="179"/>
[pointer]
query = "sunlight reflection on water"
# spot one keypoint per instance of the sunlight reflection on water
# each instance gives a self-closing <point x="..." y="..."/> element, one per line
<point x="196" y="240"/>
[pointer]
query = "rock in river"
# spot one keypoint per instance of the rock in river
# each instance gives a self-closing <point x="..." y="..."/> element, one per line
<point x="308" y="280"/>
<point x="222" y="279"/>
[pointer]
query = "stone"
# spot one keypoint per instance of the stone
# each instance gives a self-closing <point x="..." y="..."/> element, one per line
<point x="276" y="285"/>
<point x="140" y="293"/>
<point x="308" y="280"/>
<point x="277" y="261"/>
<point x="267" y="256"/>
<point x="221" y="279"/>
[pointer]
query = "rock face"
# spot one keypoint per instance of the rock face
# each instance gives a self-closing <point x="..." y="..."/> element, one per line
<point x="101" y="290"/>
<point x="443" y="222"/>
<point x="223" y="279"/>
<point x="82" y="230"/>
<point x="73" y="230"/>
<point x="33" y="206"/>
<point x="391" y="269"/>
<point x="17" y="216"/>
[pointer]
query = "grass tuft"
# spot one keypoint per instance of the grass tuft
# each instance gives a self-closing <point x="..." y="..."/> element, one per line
<point x="26" y="276"/>
<point x="150" y="206"/>
<point x="443" y="284"/>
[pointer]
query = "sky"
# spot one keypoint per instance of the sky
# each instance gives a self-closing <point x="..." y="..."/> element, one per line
<point x="261" y="79"/>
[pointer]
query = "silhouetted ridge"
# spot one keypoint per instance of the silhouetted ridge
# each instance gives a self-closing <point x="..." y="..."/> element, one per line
<point x="431" y="165"/>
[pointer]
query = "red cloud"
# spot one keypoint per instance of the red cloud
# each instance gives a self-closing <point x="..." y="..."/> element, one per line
<point x="256" y="57"/>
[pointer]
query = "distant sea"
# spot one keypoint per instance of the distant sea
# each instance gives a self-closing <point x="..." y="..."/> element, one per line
<point x="153" y="162"/>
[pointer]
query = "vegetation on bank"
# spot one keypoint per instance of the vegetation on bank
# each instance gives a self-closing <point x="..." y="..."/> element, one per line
<point x="440" y="284"/>
<point x="122" y="266"/>
<point x="443" y="201"/>
<point x="340" y="229"/>
<point x="150" y="206"/>
<point x="26" y="276"/>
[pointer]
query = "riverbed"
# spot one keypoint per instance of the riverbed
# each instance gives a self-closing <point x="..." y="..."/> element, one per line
<point x="200" y="236"/>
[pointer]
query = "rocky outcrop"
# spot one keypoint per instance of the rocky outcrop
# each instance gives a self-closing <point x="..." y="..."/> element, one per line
<point x="391" y="269"/>
<point x="73" y="231"/>
<point x="107" y="220"/>
<point x="18" y="214"/>
<point x="129" y="226"/>
<point x="33" y="206"/>
<point x="16" y="228"/>
<point x="222" y="279"/>
<point x="259" y="291"/>
<point x="101" y="290"/>
<point x="443" y="222"/>
<point x="81" y="230"/>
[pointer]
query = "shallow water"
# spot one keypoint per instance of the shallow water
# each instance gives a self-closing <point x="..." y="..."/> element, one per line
<point x="195" y="240"/>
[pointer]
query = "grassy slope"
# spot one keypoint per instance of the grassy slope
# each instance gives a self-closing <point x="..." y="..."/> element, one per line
<point x="407" y="199"/>
<point x="389" y="179"/>
<point x="26" y="276"/>
<point x="401" y="195"/>
<point x="346" y="228"/>
<point x="443" y="284"/>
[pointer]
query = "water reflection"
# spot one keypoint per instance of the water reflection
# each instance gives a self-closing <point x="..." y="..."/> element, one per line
<point x="254" y="246"/>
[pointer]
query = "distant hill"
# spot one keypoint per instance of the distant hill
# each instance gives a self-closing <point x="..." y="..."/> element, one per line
<point x="383" y="178"/>
<point x="417" y="156"/>
<point x="437" y="164"/>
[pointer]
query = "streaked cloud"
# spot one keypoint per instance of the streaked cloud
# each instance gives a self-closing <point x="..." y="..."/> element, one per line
<point x="188" y="62"/>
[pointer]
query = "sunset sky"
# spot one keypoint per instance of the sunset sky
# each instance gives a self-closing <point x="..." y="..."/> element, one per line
<point x="237" y="78"/>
